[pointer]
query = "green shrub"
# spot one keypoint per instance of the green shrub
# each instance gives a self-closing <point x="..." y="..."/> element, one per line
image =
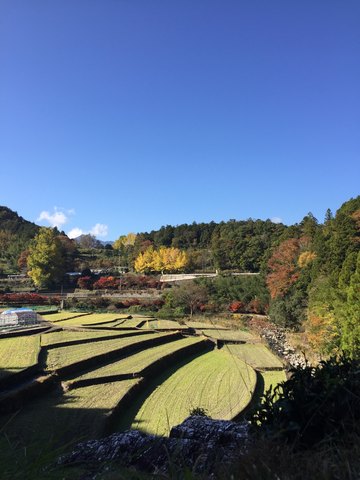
<point x="317" y="403"/>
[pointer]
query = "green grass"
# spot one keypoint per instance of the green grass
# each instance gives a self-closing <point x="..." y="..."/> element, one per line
<point x="272" y="378"/>
<point x="61" y="417"/>
<point x="204" y="325"/>
<point x="256" y="355"/>
<point x="18" y="353"/>
<point x="56" y="317"/>
<point x="155" y="323"/>
<point x="69" y="335"/>
<point x="64" y="356"/>
<point x="94" y="318"/>
<point x="236" y="335"/>
<point x="88" y="319"/>
<point x="216" y="381"/>
<point x="137" y="362"/>
<point x="131" y="322"/>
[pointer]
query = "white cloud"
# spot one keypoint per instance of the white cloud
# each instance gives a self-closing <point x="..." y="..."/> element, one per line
<point x="276" y="220"/>
<point x="99" y="230"/>
<point x="60" y="217"/>
<point x="75" y="232"/>
<point x="56" y="219"/>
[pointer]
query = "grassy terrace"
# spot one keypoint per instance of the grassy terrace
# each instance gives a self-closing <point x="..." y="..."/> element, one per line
<point x="204" y="325"/>
<point x="236" y="335"/>
<point x="137" y="362"/>
<point x="216" y="381"/>
<point x="162" y="324"/>
<point x="56" y="317"/>
<point x="256" y="355"/>
<point x="64" y="356"/>
<point x="69" y="319"/>
<point x="66" y="417"/>
<point x="272" y="378"/>
<point x="18" y="353"/>
<point x="128" y="323"/>
<point x="64" y="336"/>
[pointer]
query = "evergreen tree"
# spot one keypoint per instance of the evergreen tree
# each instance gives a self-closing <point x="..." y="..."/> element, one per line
<point x="350" y="315"/>
<point x="328" y="216"/>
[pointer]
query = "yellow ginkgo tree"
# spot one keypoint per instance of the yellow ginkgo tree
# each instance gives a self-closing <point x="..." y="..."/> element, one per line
<point x="164" y="259"/>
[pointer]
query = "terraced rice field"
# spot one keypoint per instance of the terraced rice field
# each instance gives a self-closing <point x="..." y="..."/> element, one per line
<point x="104" y="396"/>
<point x="65" y="336"/>
<point x="163" y="324"/>
<point x="235" y="335"/>
<point x="256" y="355"/>
<point x="132" y="323"/>
<point x="273" y="378"/>
<point x="203" y="325"/>
<point x="59" y="418"/>
<point x="89" y="319"/>
<point x="65" y="356"/>
<point x="215" y="381"/>
<point x="219" y="381"/>
<point x="59" y="316"/>
<point x="137" y="362"/>
<point x="18" y="353"/>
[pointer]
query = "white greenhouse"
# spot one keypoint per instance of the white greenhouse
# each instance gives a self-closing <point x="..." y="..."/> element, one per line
<point x="18" y="317"/>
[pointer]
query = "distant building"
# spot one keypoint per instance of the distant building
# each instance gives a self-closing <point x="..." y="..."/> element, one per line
<point x="17" y="277"/>
<point x="18" y="317"/>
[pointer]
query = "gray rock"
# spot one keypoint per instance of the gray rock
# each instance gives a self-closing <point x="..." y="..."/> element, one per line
<point x="198" y="443"/>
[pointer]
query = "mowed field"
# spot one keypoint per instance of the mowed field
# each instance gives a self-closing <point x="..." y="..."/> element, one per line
<point x="256" y="355"/>
<point x="76" y="318"/>
<point x="217" y="382"/>
<point x="18" y="353"/>
<point x="144" y="372"/>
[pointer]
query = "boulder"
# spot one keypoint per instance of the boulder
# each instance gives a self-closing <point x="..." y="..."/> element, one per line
<point x="199" y="443"/>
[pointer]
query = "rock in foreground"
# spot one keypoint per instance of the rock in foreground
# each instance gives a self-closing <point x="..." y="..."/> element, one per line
<point x="199" y="443"/>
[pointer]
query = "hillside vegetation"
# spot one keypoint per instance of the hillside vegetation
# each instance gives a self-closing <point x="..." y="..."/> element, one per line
<point x="308" y="273"/>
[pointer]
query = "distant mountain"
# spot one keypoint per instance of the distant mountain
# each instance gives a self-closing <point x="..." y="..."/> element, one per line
<point x="11" y="222"/>
<point x="90" y="241"/>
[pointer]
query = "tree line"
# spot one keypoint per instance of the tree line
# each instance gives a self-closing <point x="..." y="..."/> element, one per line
<point x="309" y="272"/>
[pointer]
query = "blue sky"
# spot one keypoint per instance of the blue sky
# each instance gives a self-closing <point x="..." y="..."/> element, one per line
<point x="125" y="115"/>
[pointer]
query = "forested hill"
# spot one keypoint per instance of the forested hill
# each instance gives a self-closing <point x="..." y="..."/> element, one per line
<point x="12" y="223"/>
<point x="232" y="245"/>
<point x="15" y="235"/>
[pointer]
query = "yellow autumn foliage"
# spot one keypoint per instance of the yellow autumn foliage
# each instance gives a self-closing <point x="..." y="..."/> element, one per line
<point x="305" y="258"/>
<point x="162" y="260"/>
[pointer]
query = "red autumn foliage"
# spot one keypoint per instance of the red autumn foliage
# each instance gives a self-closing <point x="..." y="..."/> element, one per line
<point x="255" y="306"/>
<point x="111" y="283"/>
<point x="283" y="268"/>
<point x="26" y="299"/>
<point x="134" y="282"/>
<point x="237" y="306"/>
<point x="22" y="260"/>
<point x="85" y="283"/>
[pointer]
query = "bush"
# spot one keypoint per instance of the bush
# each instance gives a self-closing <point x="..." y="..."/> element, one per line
<point x="85" y="283"/>
<point x="111" y="283"/>
<point x="316" y="404"/>
<point x="199" y="411"/>
<point x="237" y="306"/>
<point x="27" y="299"/>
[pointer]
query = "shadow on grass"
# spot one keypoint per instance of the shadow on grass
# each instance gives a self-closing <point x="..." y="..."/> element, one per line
<point x="124" y="420"/>
<point x="33" y="438"/>
<point x="256" y="399"/>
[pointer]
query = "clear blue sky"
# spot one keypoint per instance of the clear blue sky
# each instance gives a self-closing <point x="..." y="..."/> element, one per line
<point x="132" y="114"/>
